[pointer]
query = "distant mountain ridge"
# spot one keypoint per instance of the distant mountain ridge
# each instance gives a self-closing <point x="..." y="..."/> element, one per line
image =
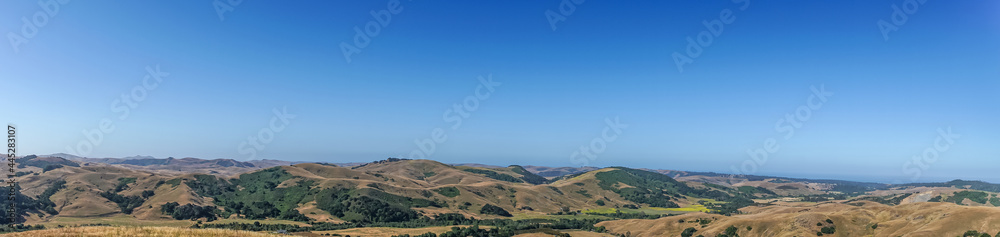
<point x="141" y="160"/>
<point x="544" y="171"/>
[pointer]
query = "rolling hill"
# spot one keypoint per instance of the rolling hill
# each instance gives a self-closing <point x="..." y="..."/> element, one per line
<point x="420" y="193"/>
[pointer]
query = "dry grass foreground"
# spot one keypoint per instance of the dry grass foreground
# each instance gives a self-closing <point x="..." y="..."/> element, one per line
<point x="137" y="231"/>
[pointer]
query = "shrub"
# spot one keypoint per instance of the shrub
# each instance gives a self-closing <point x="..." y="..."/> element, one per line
<point x="448" y="191"/>
<point x="494" y="210"/>
<point x="688" y="232"/>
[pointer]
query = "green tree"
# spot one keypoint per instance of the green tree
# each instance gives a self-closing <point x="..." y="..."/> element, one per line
<point x="688" y="232"/>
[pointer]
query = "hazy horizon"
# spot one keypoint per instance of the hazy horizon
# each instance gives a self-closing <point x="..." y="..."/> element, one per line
<point x="856" y="178"/>
<point x="800" y="89"/>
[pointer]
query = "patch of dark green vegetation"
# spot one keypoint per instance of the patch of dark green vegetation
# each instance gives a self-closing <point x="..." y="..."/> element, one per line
<point x="429" y="174"/>
<point x="887" y="200"/>
<point x="448" y="191"/>
<point x="44" y="203"/>
<point x="51" y="167"/>
<point x="729" y="232"/>
<point x="369" y="205"/>
<point x="754" y="190"/>
<point x="123" y="184"/>
<point x="126" y="203"/>
<point x="173" y="182"/>
<point x="974" y="233"/>
<point x="584" y="193"/>
<point x="716" y="186"/>
<point x="494" y="175"/>
<point x="494" y="210"/>
<point x="189" y="211"/>
<point x="689" y="232"/>
<point x="256" y="195"/>
<point x="851" y="189"/>
<point x="824" y="197"/>
<point x="327" y="164"/>
<point x="554" y="189"/>
<point x="528" y="177"/>
<point x="54" y="162"/>
<point x="935" y="199"/>
<point x="828" y="230"/>
<point x="20" y="228"/>
<point x="657" y="190"/>
<point x="647" y="187"/>
<point x="501" y="227"/>
<point x="21" y="204"/>
<point x="786" y="187"/>
<point x="978" y="197"/>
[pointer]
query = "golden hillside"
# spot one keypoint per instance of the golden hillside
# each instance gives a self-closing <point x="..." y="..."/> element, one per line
<point x="917" y="219"/>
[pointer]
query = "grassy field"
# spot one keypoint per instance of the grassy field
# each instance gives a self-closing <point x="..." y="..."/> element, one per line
<point x="691" y="208"/>
<point x="136" y="231"/>
<point x="574" y="233"/>
<point x="268" y="221"/>
<point x="522" y="216"/>
<point x="115" y="220"/>
<point x="390" y="231"/>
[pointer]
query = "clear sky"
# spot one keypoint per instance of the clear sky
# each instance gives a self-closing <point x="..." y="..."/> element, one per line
<point x="554" y="85"/>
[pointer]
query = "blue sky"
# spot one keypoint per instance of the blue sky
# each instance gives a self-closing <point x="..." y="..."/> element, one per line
<point x="606" y="60"/>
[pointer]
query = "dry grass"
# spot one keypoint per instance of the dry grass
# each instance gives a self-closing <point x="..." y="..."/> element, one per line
<point x="390" y="231"/>
<point x="115" y="220"/>
<point x="917" y="219"/>
<point x="137" y="231"/>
